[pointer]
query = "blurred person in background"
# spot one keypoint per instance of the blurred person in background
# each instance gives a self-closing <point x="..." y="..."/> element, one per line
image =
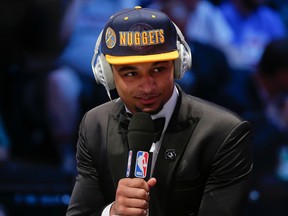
<point x="253" y="25"/>
<point x="207" y="24"/>
<point x="41" y="105"/>
<point x="266" y="107"/>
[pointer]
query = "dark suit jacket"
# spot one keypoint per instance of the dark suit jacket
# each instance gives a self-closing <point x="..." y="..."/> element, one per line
<point x="209" y="176"/>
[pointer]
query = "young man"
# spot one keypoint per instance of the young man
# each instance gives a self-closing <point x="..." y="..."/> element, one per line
<point x="202" y="163"/>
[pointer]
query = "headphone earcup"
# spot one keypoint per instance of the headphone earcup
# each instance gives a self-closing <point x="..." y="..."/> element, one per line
<point x="183" y="62"/>
<point x="103" y="72"/>
<point x="101" y="68"/>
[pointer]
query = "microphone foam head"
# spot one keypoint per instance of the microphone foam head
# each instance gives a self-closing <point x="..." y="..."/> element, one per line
<point x="141" y="132"/>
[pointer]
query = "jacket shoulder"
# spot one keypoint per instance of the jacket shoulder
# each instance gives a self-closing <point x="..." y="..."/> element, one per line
<point x="210" y="111"/>
<point x="104" y="110"/>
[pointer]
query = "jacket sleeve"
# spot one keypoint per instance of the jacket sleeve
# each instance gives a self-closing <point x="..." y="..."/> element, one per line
<point x="228" y="184"/>
<point x="86" y="198"/>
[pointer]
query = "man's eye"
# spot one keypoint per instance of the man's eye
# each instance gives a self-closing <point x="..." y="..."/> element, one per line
<point x="159" y="69"/>
<point x="130" y="74"/>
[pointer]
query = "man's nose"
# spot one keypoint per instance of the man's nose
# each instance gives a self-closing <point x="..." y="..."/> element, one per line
<point x="148" y="83"/>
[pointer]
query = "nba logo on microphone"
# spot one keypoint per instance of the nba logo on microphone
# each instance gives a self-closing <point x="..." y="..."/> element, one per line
<point x="142" y="159"/>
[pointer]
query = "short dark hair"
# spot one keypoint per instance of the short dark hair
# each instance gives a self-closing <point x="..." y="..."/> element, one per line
<point x="274" y="57"/>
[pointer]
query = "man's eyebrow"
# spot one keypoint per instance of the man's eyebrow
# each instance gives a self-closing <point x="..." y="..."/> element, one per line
<point x="131" y="67"/>
<point x="159" y="62"/>
<point x="126" y="67"/>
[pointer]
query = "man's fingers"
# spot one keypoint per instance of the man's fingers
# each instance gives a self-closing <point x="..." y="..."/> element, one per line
<point x="151" y="182"/>
<point x="134" y="183"/>
<point x="129" y="192"/>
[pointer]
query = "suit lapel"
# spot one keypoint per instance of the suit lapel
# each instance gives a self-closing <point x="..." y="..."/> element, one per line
<point x="175" y="140"/>
<point x="117" y="149"/>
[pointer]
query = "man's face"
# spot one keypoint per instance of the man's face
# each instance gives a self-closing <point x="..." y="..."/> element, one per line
<point x="145" y="86"/>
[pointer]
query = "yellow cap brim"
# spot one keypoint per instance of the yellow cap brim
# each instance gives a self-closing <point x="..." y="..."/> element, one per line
<point x="119" y="60"/>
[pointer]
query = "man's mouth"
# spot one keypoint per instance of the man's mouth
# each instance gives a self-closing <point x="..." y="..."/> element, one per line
<point x="146" y="100"/>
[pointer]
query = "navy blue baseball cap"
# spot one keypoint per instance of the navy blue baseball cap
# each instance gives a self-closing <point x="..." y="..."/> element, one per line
<point x="139" y="35"/>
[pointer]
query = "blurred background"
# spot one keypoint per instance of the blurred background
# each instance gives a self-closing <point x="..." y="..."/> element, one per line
<point x="240" y="61"/>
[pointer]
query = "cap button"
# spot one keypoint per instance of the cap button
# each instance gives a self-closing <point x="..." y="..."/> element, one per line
<point x="138" y="7"/>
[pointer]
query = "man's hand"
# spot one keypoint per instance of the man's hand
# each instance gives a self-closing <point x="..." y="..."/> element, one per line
<point x="132" y="197"/>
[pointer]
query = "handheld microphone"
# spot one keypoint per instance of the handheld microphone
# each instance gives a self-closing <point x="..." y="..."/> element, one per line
<point x="140" y="138"/>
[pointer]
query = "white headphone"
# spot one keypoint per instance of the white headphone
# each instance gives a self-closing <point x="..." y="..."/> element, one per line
<point x="103" y="72"/>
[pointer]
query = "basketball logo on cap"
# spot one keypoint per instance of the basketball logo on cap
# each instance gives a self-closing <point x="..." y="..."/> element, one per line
<point x="110" y="38"/>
